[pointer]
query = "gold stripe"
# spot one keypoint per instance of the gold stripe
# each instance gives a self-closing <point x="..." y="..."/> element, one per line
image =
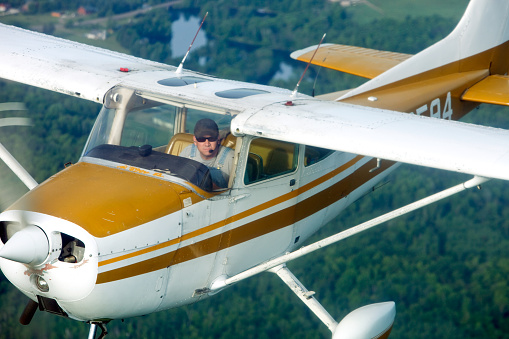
<point x="145" y="266"/>
<point x="403" y="98"/>
<point x="426" y="85"/>
<point x="140" y="252"/>
<point x="274" y="202"/>
<point x="474" y="69"/>
<point x="239" y="216"/>
<point x="251" y="230"/>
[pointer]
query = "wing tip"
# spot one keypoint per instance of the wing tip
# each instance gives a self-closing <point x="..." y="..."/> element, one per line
<point x="298" y="53"/>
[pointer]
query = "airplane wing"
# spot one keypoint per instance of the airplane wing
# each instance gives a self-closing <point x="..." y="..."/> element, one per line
<point x="65" y="66"/>
<point x="88" y="72"/>
<point x="364" y="62"/>
<point x="402" y="137"/>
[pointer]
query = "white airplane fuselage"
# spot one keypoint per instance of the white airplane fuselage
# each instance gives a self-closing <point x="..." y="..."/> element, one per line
<point x="132" y="233"/>
<point x="134" y="267"/>
<point x="134" y="228"/>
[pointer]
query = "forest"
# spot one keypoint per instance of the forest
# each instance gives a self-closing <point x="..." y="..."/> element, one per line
<point x="445" y="266"/>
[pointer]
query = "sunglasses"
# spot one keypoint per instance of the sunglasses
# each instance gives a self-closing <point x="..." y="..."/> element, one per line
<point x="210" y="139"/>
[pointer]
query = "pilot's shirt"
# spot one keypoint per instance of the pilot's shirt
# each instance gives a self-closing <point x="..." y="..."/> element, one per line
<point x="220" y="167"/>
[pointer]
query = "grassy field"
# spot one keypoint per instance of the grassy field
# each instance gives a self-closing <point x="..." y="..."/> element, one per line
<point x="21" y="20"/>
<point x="36" y="22"/>
<point x="368" y="10"/>
<point x="110" y="43"/>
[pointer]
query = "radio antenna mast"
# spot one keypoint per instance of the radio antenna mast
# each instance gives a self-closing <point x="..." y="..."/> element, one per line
<point x="316" y="78"/>
<point x="179" y="69"/>
<point x="294" y="93"/>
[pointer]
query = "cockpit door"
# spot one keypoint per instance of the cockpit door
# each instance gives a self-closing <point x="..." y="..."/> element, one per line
<point x="262" y="204"/>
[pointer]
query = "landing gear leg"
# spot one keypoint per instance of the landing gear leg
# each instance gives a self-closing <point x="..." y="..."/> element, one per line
<point x="93" y="330"/>
<point x="306" y="296"/>
<point x="371" y="321"/>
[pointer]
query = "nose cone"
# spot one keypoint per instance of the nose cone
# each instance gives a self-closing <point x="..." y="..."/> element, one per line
<point x="35" y="252"/>
<point x="28" y="246"/>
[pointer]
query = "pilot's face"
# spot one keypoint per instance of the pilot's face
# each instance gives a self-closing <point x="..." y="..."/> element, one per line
<point x="207" y="146"/>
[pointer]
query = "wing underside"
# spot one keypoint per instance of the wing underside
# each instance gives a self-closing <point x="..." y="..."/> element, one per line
<point x="395" y="136"/>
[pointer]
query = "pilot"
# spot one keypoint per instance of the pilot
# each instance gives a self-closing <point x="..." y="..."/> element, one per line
<point x="207" y="149"/>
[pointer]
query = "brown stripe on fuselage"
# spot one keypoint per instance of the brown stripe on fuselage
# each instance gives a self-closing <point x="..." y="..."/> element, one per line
<point x="270" y="223"/>
<point x="241" y="215"/>
<point x="407" y="94"/>
<point x="287" y="216"/>
<point x="480" y="62"/>
<point x="409" y="97"/>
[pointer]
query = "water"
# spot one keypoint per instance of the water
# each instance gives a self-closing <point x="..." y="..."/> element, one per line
<point x="183" y="34"/>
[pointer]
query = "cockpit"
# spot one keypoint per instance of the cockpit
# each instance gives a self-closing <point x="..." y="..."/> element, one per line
<point x="148" y="132"/>
<point x="142" y="131"/>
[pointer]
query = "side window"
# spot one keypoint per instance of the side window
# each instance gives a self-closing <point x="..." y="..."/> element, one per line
<point x="312" y="155"/>
<point x="270" y="158"/>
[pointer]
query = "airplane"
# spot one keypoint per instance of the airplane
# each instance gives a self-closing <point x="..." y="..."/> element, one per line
<point x="139" y="229"/>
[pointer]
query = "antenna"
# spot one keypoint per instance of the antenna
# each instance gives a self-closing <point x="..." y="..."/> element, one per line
<point x="316" y="78"/>
<point x="294" y="93"/>
<point x="179" y="69"/>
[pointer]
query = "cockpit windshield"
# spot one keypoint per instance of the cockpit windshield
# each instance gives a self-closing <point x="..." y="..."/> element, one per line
<point x="152" y="126"/>
<point x="130" y="119"/>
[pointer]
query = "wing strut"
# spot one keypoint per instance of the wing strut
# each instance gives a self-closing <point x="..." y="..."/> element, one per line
<point x="223" y="281"/>
<point x="7" y="157"/>
<point x="371" y="321"/>
<point x="15" y="166"/>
